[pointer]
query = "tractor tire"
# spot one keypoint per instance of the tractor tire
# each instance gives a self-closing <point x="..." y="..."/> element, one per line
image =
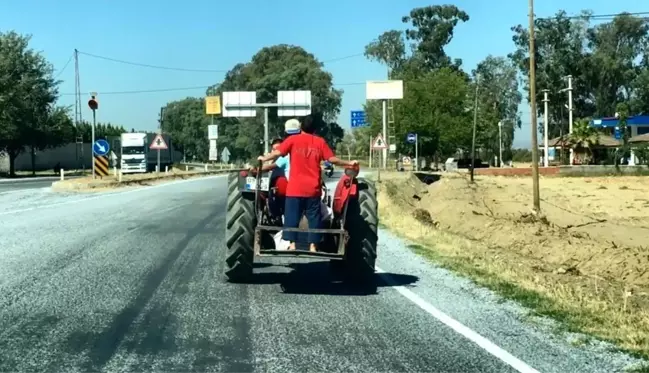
<point x="362" y="225"/>
<point x="240" y="223"/>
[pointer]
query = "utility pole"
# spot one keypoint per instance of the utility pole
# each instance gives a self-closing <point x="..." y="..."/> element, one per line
<point x="162" y="113"/>
<point x="569" y="89"/>
<point x="535" y="142"/>
<point x="500" y="141"/>
<point x="78" y="118"/>
<point x="385" y="131"/>
<point x="475" y="124"/>
<point x="546" y="154"/>
<point x="391" y="130"/>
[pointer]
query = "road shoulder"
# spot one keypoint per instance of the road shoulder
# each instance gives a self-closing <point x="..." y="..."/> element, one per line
<point x="400" y="213"/>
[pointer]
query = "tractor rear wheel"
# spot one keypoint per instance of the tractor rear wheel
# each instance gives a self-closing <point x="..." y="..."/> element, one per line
<point x="362" y="225"/>
<point x="240" y="222"/>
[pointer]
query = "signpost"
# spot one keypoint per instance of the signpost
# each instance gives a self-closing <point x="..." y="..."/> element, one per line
<point x="212" y="108"/>
<point x="158" y="144"/>
<point x="617" y="133"/>
<point x="212" y="136"/>
<point x="225" y="155"/>
<point x="214" y="152"/>
<point x="384" y="90"/>
<point x="213" y="105"/>
<point x="358" y="119"/>
<point x="100" y="163"/>
<point x="100" y="147"/>
<point x="379" y="143"/>
<point x="244" y="105"/>
<point x="412" y="138"/>
<point x="93" y="104"/>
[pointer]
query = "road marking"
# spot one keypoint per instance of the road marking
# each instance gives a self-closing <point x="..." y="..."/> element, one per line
<point x="458" y="327"/>
<point x="110" y="194"/>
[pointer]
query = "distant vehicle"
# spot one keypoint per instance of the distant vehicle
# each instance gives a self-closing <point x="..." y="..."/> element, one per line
<point x="168" y="156"/>
<point x="329" y="169"/>
<point x="133" y="153"/>
<point x="136" y="157"/>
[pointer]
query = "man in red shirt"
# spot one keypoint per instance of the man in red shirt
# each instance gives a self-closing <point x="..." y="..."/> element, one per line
<point x="304" y="190"/>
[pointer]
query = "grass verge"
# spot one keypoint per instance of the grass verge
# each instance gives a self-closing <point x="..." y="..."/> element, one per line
<point x="603" y="315"/>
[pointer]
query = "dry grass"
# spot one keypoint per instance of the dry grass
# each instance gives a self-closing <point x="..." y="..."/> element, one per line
<point x="87" y="184"/>
<point x="584" y="263"/>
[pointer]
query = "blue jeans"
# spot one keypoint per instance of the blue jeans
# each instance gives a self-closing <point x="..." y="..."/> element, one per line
<point x="275" y="202"/>
<point x="293" y="210"/>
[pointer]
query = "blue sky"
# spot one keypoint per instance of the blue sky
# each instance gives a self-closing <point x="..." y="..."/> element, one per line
<point x="215" y="35"/>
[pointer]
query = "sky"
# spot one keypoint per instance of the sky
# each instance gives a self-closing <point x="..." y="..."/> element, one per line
<point x="216" y="35"/>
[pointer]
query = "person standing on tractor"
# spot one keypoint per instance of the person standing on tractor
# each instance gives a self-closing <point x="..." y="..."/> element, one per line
<point x="303" y="193"/>
<point x="279" y="171"/>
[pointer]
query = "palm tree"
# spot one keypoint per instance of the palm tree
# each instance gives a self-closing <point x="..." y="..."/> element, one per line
<point x="582" y="139"/>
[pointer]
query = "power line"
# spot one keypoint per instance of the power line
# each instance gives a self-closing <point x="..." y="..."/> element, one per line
<point x="155" y="90"/>
<point x="598" y="17"/>
<point x="187" y="69"/>
<point x="64" y="66"/>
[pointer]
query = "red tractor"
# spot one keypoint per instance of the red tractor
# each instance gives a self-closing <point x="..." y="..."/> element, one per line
<point x="350" y="229"/>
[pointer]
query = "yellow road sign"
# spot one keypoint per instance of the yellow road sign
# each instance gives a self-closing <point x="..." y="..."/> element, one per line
<point x="101" y="165"/>
<point x="213" y="105"/>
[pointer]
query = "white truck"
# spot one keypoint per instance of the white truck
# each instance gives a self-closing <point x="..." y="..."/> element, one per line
<point x="133" y="153"/>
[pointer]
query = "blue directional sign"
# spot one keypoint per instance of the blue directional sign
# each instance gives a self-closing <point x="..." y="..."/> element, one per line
<point x="100" y="147"/>
<point x="411" y="138"/>
<point x="618" y="133"/>
<point x="358" y="118"/>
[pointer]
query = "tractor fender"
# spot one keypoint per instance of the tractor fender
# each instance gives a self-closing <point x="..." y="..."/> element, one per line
<point x="345" y="189"/>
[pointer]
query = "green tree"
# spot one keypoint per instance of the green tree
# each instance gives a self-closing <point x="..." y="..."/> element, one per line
<point x="616" y="66"/>
<point x="102" y="130"/>
<point x="583" y="138"/>
<point x="560" y="51"/>
<point x="436" y="89"/>
<point x="431" y="30"/>
<point x="389" y="49"/>
<point x="499" y="99"/>
<point x="185" y="121"/>
<point x="608" y="63"/>
<point x="275" y="68"/>
<point x="28" y="93"/>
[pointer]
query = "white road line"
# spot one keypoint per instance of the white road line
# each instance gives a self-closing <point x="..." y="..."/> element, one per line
<point x="469" y="334"/>
<point x="110" y="194"/>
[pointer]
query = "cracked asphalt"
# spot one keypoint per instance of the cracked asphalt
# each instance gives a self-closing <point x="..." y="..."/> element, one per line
<point x="132" y="281"/>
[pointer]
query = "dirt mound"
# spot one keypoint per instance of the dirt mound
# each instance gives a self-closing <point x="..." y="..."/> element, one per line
<point x="589" y="249"/>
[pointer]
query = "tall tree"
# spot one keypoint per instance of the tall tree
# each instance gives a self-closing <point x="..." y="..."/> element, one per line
<point x="28" y="92"/>
<point x="185" y="121"/>
<point x="499" y="99"/>
<point x="432" y="28"/>
<point x="617" y="51"/>
<point x="436" y="89"/>
<point x="560" y="51"/>
<point x="275" y="68"/>
<point x="389" y="49"/>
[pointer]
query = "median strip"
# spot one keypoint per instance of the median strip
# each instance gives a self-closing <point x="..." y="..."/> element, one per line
<point x="129" y="180"/>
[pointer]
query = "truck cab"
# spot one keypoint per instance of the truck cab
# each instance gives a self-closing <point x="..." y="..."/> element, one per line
<point x="133" y="153"/>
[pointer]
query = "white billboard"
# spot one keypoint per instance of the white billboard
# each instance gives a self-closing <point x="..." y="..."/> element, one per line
<point x="293" y="103"/>
<point x="384" y="90"/>
<point x="234" y="104"/>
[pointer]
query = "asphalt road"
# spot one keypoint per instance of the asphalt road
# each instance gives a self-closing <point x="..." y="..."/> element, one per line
<point x="132" y="281"/>
<point x="7" y="186"/>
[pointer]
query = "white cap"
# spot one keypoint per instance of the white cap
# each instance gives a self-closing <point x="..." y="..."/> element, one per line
<point x="292" y="126"/>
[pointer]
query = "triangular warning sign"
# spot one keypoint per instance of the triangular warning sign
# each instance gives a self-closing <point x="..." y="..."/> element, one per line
<point x="158" y="143"/>
<point x="379" y="143"/>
